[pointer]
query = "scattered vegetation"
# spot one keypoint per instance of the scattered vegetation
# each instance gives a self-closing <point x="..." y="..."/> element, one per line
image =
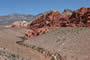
<point x="13" y="55"/>
<point x="40" y="49"/>
<point x="9" y="56"/>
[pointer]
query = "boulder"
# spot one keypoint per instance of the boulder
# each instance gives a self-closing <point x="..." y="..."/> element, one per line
<point x="19" y="24"/>
<point x="67" y="12"/>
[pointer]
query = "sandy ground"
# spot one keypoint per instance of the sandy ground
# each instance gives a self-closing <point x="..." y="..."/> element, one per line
<point x="8" y="39"/>
<point x="70" y="43"/>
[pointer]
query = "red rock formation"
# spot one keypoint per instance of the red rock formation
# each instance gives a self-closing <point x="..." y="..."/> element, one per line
<point x="54" y="19"/>
<point x="41" y="25"/>
<point x="36" y="32"/>
<point x="81" y="17"/>
<point x="50" y="19"/>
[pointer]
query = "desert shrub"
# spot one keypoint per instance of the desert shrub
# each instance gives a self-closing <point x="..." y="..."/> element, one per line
<point x="40" y="49"/>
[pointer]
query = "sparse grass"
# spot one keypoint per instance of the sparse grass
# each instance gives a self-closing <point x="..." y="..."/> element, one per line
<point x="40" y="49"/>
<point x="13" y="55"/>
<point x="9" y="56"/>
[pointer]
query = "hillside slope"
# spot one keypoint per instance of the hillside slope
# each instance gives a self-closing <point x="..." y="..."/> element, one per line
<point x="70" y="43"/>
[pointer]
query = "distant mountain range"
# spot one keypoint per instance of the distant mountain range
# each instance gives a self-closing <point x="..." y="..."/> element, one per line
<point x="5" y="20"/>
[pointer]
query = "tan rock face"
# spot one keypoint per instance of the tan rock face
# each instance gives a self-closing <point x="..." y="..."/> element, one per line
<point x="19" y="24"/>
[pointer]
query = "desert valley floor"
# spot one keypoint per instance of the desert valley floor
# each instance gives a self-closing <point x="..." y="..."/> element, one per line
<point x="71" y="43"/>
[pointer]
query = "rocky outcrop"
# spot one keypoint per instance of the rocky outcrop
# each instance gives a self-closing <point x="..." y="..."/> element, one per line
<point x="41" y="25"/>
<point x="81" y="17"/>
<point x="19" y="24"/>
<point x="67" y="12"/>
<point x="36" y="32"/>
<point x="54" y="19"/>
<point x="49" y="19"/>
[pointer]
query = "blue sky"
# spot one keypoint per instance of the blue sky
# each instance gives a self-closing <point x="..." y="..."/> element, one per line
<point x="38" y="6"/>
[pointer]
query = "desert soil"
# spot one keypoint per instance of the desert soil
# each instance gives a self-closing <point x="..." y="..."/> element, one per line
<point x="72" y="43"/>
<point x="8" y="39"/>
